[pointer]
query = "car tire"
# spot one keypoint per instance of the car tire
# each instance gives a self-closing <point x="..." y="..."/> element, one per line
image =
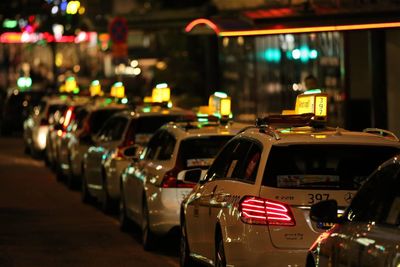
<point x="106" y="201"/>
<point x="59" y="174"/>
<point x="147" y="235"/>
<point x="85" y="195"/>
<point x="27" y="150"/>
<point x="70" y="180"/>
<point x="124" y="222"/>
<point x="184" y="252"/>
<point x="220" y="260"/>
<point x="310" y="261"/>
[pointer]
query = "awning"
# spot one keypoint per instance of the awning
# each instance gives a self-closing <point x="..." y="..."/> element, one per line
<point x="291" y="21"/>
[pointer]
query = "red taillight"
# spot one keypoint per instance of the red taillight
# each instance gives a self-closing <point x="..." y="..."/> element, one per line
<point x="170" y="180"/>
<point x="67" y="117"/>
<point x="255" y="210"/>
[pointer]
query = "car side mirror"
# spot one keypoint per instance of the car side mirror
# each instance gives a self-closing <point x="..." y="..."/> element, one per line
<point x="132" y="152"/>
<point x="325" y="212"/>
<point x="190" y="176"/>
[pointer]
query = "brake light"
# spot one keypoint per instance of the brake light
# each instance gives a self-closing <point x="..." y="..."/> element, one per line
<point x="170" y="180"/>
<point x="255" y="210"/>
<point x="68" y="117"/>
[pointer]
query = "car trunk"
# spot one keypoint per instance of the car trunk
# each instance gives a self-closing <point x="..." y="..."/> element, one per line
<point x="302" y="175"/>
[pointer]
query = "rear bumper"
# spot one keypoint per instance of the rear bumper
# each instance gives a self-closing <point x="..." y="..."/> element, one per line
<point x="241" y="255"/>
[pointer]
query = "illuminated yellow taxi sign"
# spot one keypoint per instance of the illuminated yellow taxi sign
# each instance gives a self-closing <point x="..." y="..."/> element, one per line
<point x="161" y="93"/>
<point x="219" y="104"/>
<point x="95" y="88"/>
<point x="118" y="90"/>
<point x="70" y="86"/>
<point x="312" y="101"/>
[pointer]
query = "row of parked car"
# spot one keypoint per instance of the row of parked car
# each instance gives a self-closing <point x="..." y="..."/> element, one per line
<point x="281" y="192"/>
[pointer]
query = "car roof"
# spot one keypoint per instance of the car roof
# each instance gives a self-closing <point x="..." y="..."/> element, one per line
<point x="182" y="130"/>
<point x="154" y="111"/>
<point x="310" y="135"/>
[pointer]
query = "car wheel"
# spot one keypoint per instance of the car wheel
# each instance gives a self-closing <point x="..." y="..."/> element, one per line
<point x="147" y="235"/>
<point x="86" y="197"/>
<point x="220" y="260"/>
<point x="106" y="201"/>
<point x="310" y="261"/>
<point x="184" y="253"/>
<point x="124" y="222"/>
<point x="27" y="149"/>
<point x="71" y="183"/>
<point x="59" y="174"/>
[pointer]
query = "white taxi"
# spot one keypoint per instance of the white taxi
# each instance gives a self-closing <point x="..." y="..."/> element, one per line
<point x="36" y="125"/>
<point x="152" y="188"/>
<point x="104" y="161"/>
<point x="252" y="207"/>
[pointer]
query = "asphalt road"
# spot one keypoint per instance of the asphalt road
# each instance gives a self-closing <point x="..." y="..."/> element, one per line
<point x="42" y="223"/>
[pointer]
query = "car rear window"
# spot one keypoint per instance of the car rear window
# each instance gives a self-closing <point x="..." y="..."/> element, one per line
<point x="99" y="117"/>
<point x="342" y="167"/>
<point x="141" y="129"/>
<point x="198" y="152"/>
<point x="150" y="124"/>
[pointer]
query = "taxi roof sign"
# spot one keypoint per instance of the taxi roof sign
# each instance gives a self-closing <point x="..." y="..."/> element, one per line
<point x="219" y="104"/>
<point x="161" y="93"/>
<point x="311" y="101"/>
<point x="118" y="90"/>
<point x="95" y="88"/>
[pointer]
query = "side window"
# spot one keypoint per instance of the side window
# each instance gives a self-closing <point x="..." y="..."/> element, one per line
<point x="118" y="129"/>
<point x="219" y="167"/>
<point x="244" y="161"/>
<point x="251" y="163"/>
<point x="151" y="150"/>
<point x="166" y="147"/>
<point x="105" y="132"/>
<point x="379" y="199"/>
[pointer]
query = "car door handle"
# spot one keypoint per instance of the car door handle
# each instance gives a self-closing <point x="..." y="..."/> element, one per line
<point x="221" y="197"/>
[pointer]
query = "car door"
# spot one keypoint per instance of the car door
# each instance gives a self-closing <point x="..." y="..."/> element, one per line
<point x="95" y="152"/>
<point x="134" y="185"/>
<point x="200" y="224"/>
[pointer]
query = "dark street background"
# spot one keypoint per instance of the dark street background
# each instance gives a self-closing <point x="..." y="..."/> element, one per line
<point x="42" y="223"/>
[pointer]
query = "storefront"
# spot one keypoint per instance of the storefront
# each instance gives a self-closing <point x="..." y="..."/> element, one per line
<point x="264" y="67"/>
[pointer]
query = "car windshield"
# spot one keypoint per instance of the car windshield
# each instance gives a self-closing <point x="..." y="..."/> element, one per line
<point x="343" y="167"/>
<point x="99" y="117"/>
<point x="198" y="152"/>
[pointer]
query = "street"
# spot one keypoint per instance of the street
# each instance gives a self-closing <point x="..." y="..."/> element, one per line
<point x="42" y="223"/>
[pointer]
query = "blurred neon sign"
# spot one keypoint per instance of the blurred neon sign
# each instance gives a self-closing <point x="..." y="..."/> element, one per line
<point x="25" y="37"/>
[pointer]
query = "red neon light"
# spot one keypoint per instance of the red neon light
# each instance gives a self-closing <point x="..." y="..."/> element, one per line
<point x="66" y="39"/>
<point x="206" y="22"/>
<point x="25" y="37"/>
<point x="11" y="37"/>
